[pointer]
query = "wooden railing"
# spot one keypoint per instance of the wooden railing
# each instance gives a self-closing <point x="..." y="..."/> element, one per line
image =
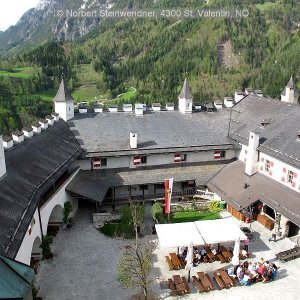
<point x="148" y="197"/>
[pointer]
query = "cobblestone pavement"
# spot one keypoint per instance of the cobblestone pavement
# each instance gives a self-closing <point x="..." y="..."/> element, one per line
<point x="84" y="266"/>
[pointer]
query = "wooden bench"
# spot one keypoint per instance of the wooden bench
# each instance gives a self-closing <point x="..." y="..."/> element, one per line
<point x="198" y="285"/>
<point x="187" y="287"/>
<point x="219" y="281"/>
<point x="168" y="260"/>
<point x="182" y="262"/>
<point x="172" y="287"/>
<point x="210" y="255"/>
<point x="210" y="280"/>
<point x="221" y="258"/>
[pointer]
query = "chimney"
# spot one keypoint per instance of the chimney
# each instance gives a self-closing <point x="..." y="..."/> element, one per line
<point x="28" y="132"/>
<point x="98" y="108"/>
<point x="2" y="158"/>
<point x="133" y="140"/>
<point x="113" y="108"/>
<point x="18" y="136"/>
<point x="139" y="109"/>
<point x="228" y="101"/>
<point x="127" y="107"/>
<point x="50" y="120"/>
<point x="37" y="128"/>
<point x="238" y="96"/>
<point x="82" y="107"/>
<point x="170" y="106"/>
<point x="156" y="106"/>
<point x="218" y="104"/>
<point x="44" y="123"/>
<point x="259" y="93"/>
<point x="55" y="116"/>
<point x="8" y="142"/>
<point x="252" y="154"/>
<point x="248" y="91"/>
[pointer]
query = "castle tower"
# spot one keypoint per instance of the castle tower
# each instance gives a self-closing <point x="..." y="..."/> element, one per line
<point x="64" y="102"/>
<point x="2" y="158"/>
<point x="185" y="99"/>
<point x="290" y="93"/>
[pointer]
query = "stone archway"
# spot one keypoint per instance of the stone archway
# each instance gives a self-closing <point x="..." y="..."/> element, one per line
<point x="55" y="220"/>
<point x="36" y="254"/>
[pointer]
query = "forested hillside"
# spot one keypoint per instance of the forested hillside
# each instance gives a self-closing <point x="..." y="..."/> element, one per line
<point x="144" y="60"/>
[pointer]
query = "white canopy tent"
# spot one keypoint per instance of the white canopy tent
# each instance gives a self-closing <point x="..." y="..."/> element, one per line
<point x="178" y="235"/>
<point x="199" y="233"/>
<point x="220" y="231"/>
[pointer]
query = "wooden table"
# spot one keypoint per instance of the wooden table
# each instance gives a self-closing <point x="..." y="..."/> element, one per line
<point x="225" y="277"/>
<point x="226" y="253"/>
<point x="179" y="284"/>
<point x="175" y="260"/>
<point x="205" y="281"/>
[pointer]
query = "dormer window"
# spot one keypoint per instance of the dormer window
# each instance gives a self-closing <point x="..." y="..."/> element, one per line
<point x="179" y="157"/>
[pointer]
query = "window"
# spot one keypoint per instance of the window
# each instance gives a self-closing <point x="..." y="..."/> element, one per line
<point x="290" y="176"/>
<point x="144" y="159"/>
<point x="160" y="186"/>
<point x="99" y="162"/>
<point x="219" y="154"/>
<point x="267" y="165"/>
<point x="104" y="162"/>
<point x="178" y="157"/>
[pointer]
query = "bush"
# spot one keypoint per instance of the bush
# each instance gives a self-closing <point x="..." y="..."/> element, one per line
<point x="214" y="206"/>
<point x="46" y="248"/>
<point x="67" y="210"/>
<point x="157" y="213"/>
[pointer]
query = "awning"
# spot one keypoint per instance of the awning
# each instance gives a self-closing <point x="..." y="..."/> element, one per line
<point x="220" y="231"/>
<point x="240" y="190"/>
<point x="178" y="235"/>
<point x="87" y="187"/>
<point x="199" y="232"/>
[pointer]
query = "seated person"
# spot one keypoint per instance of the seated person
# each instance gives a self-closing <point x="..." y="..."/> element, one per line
<point x="261" y="269"/>
<point x="184" y="254"/>
<point x="230" y="272"/>
<point x="244" y="253"/>
<point x="203" y="252"/>
<point x="213" y="250"/>
<point x="245" y="280"/>
<point x="181" y="250"/>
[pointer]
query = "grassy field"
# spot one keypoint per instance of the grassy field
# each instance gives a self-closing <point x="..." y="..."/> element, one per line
<point x="26" y="72"/>
<point x="46" y="95"/>
<point x="128" y="95"/>
<point x="266" y="5"/>
<point x="86" y="93"/>
<point x="86" y="74"/>
<point x="191" y="216"/>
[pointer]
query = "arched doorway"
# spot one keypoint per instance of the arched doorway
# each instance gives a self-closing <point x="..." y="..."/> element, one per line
<point x="55" y="220"/>
<point x="36" y="254"/>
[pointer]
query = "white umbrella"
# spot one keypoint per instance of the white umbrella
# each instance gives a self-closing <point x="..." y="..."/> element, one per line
<point x="236" y="253"/>
<point x="189" y="259"/>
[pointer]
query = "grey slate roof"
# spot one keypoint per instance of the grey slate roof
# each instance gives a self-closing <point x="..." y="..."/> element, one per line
<point x="279" y="138"/>
<point x="186" y="91"/>
<point x="229" y="183"/>
<point x="160" y="131"/>
<point x="32" y="167"/>
<point x="94" y="184"/>
<point x="63" y="94"/>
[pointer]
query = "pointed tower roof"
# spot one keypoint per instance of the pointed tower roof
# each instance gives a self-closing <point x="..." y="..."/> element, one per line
<point x="186" y="91"/>
<point x="291" y="83"/>
<point x="63" y="94"/>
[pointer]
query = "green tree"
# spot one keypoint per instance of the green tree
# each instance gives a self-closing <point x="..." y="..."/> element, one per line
<point x="134" y="266"/>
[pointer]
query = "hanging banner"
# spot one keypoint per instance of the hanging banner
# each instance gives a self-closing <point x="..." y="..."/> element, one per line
<point x="168" y="194"/>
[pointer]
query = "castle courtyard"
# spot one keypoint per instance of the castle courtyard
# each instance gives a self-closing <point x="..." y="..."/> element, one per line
<point x="84" y="267"/>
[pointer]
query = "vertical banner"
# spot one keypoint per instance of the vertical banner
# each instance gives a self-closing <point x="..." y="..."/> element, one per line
<point x="168" y="194"/>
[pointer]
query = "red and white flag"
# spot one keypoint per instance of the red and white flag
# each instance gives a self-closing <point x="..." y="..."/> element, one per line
<point x="168" y="194"/>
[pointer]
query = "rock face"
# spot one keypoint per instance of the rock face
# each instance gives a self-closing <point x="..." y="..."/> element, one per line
<point x="40" y="24"/>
